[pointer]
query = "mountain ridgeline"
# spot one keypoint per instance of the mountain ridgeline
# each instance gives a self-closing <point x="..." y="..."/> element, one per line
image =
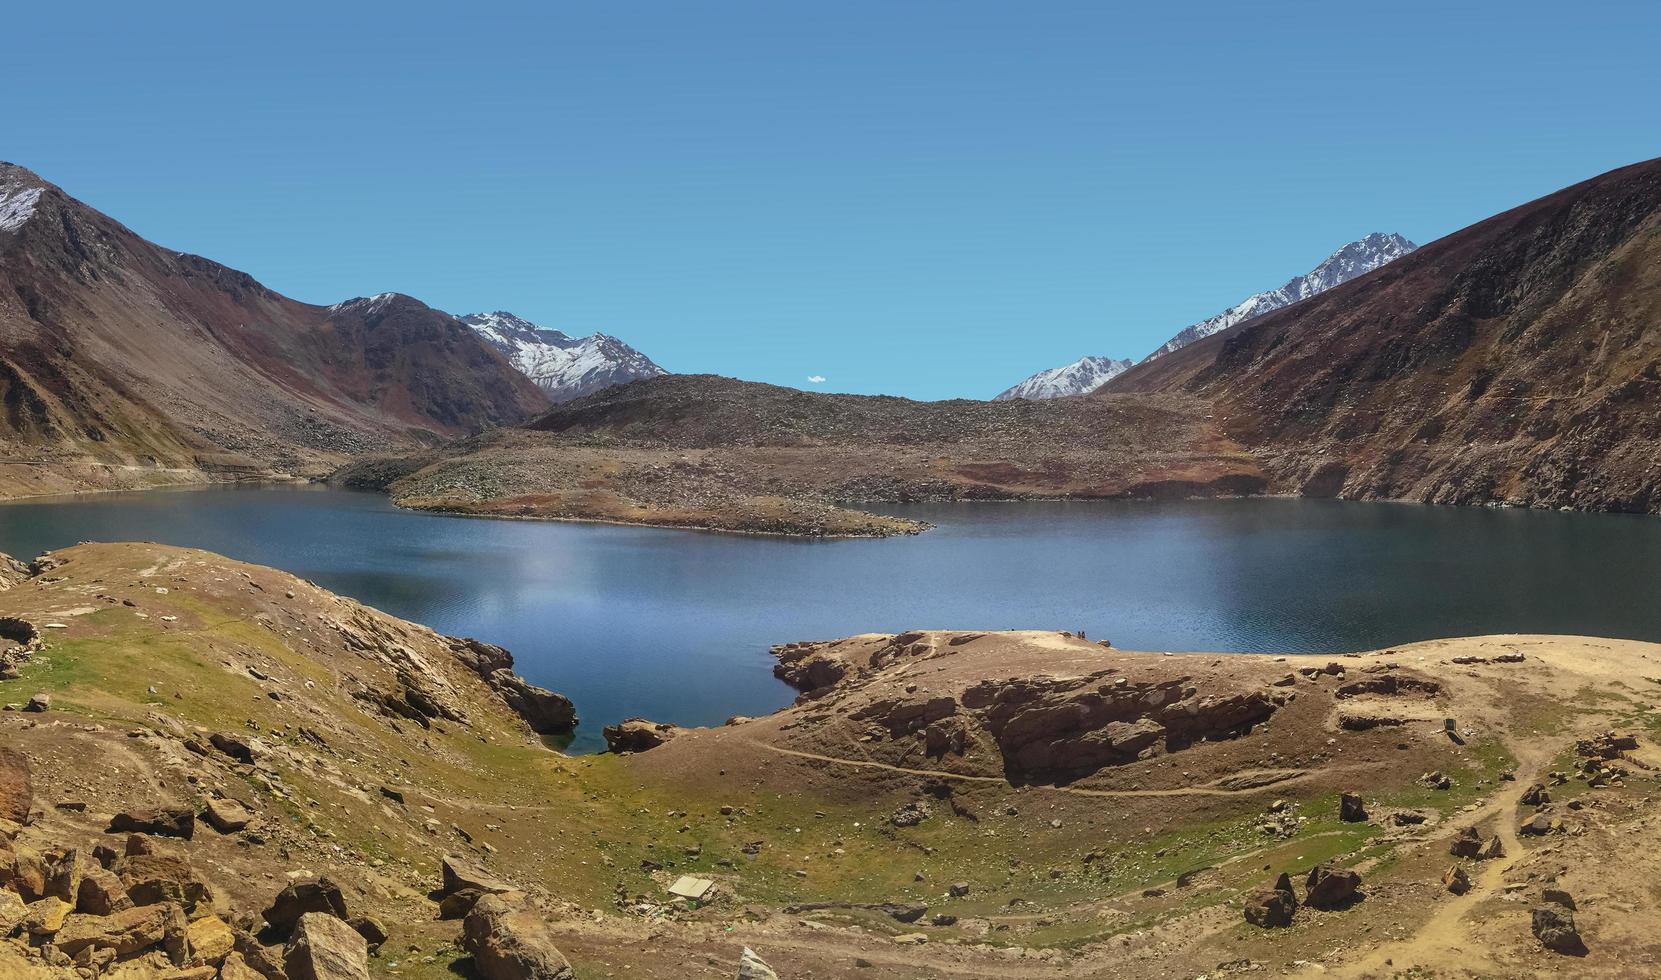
<point x="1516" y="361"/>
<point x="1355" y="259"/>
<point x="125" y="363"/>
<point x="564" y="367"/>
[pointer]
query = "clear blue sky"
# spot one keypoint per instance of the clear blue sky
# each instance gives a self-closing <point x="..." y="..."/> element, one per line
<point x="929" y="199"/>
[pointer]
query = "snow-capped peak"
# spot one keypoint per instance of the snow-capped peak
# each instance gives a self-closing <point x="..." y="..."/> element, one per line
<point x="18" y="198"/>
<point x="1078" y="378"/>
<point x="367" y="305"/>
<point x="1355" y="259"/>
<point x="565" y="367"/>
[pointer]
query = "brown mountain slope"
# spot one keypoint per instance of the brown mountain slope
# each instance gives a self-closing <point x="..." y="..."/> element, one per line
<point x="1518" y="360"/>
<point x="120" y="355"/>
<point x="703" y="451"/>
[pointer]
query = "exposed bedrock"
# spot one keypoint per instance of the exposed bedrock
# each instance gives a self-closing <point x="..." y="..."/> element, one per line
<point x="1043" y="727"/>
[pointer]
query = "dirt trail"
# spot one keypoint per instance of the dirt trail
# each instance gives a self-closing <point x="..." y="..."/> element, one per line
<point x="1444" y="941"/>
<point x="1074" y="790"/>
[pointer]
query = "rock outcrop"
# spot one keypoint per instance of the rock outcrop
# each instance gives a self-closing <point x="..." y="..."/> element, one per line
<point x="638" y="735"/>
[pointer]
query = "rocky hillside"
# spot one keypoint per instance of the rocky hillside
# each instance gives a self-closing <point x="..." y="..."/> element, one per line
<point x="702" y="451"/>
<point x="564" y="367"/>
<point x="124" y="362"/>
<point x="1078" y="378"/>
<point x="216" y="771"/>
<point x="1516" y="361"/>
<point x="1355" y="259"/>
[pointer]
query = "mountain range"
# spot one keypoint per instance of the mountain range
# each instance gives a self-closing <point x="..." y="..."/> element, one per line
<point x="564" y="367"/>
<point x="131" y="360"/>
<point x="1517" y="361"/>
<point x="1355" y="259"/>
<point x="1083" y="375"/>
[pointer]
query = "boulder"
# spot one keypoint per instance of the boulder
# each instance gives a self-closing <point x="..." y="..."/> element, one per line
<point x="458" y="903"/>
<point x="126" y="932"/>
<point x="1557" y="896"/>
<point x="638" y="735"/>
<point x="45" y="916"/>
<point x="324" y="947"/>
<point x="1538" y="826"/>
<point x="299" y="898"/>
<point x="240" y="749"/>
<point x="64" y="871"/>
<point x="1272" y="908"/>
<point x="510" y="943"/>
<point x="211" y="939"/>
<point x="236" y="967"/>
<point x="1351" y="809"/>
<point x="958" y="889"/>
<point x="154" y="878"/>
<point x="24" y="871"/>
<point x="1535" y="795"/>
<point x="1554" y="926"/>
<point x="227" y="816"/>
<point x="1330" y="888"/>
<point x="101" y="893"/>
<point x="371" y="929"/>
<point x="17" y="794"/>
<point x="39" y="702"/>
<point x="460" y="873"/>
<point x="163" y="821"/>
<point x="753" y="967"/>
<point x="1456" y="880"/>
<point x="1467" y="844"/>
<point x="1492" y="848"/>
<point x="12" y="911"/>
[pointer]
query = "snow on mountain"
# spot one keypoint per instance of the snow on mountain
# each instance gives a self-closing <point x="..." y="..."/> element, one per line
<point x="1355" y="259"/>
<point x="565" y="367"/>
<point x="1080" y="377"/>
<point x="17" y="201"/>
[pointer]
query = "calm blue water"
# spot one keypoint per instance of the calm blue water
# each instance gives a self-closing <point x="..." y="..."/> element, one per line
<point x="675" y="625"/>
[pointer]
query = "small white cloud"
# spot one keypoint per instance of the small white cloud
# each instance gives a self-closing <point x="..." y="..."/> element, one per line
<point x="816" y="379"/>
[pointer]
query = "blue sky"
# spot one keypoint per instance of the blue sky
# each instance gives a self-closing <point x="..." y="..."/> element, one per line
<point x="927" y="199"/>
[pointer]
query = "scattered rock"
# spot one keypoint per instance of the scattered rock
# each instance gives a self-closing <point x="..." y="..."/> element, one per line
<point x="164" y="821"/>
<point x="227" y="816"/>
<point x="1351" y="809"/>
<point x="753" y="967"/>
<point x="460" y="873"/>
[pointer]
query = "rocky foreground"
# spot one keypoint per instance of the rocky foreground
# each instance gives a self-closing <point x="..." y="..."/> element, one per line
<point x="215" y="770"/>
